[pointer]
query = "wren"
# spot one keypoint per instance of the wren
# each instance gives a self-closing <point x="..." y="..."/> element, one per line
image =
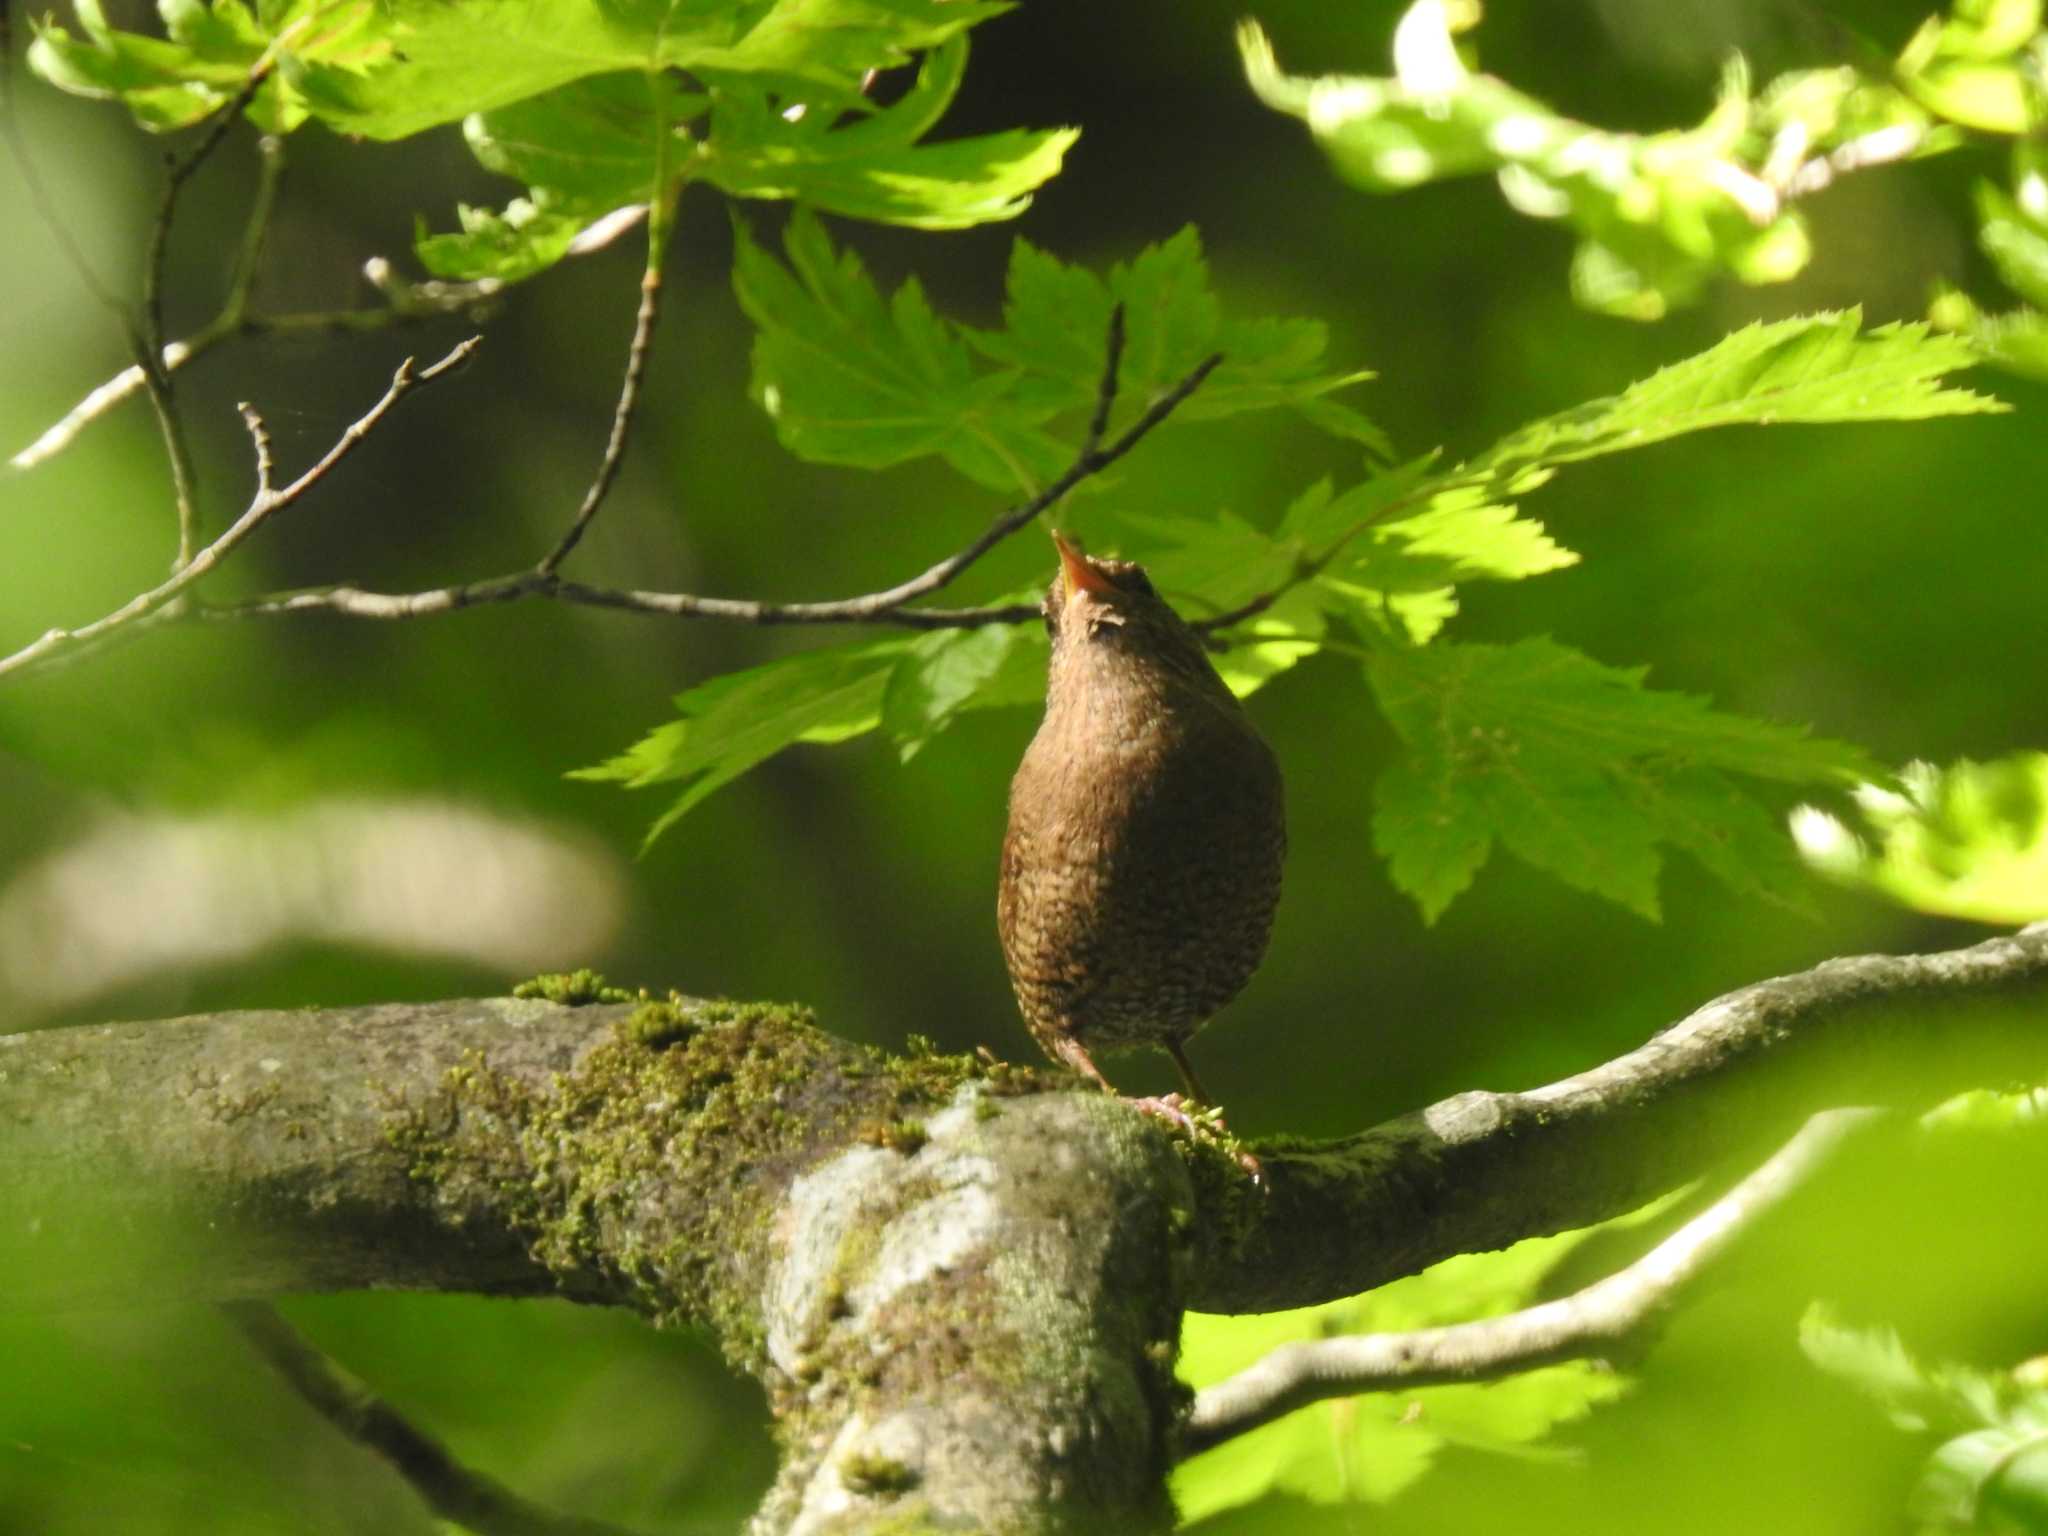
<point x="1147" y="830"/>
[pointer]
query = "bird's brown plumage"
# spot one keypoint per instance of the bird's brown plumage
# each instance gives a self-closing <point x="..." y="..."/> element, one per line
<point x="1142" y="863"/>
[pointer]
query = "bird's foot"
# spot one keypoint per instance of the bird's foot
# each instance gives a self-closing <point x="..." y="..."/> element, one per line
<point x="1199" y="1122"/>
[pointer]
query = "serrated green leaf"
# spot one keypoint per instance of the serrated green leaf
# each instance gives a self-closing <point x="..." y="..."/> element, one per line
<point x="592" y="141"/>
<point x="1574" y="766"/>
<point x="604" y="141"/>
<point x="463" y="56"/>
<point x="874" y="168"/>
<point x="585" y="151"/>
<point x="1424" y="827"/>
<point x="2016" y="244"/>
<point x="950" y="671"/>
<point x="2016" y="341"/>
<point x="1819" y="368"/>
<point x="1281" y="638"/>
<point x="1990" y="1481"/>
<point x="1873" y="1360"/>
<point x="734" y="722"/>
<point x="531" y="235"/>
<point x="1733" y="837"/>
<point x="848" y="379"/>
<point x="209" y="56"/>
<point x="1969" y="840"/>
<point x="1057" y="317"/>
<point x="1659" y="214"/>
<point x="395" y="68"/>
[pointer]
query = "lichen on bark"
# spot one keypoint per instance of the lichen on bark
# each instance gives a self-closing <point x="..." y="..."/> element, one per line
<point x="913" y="1255"/>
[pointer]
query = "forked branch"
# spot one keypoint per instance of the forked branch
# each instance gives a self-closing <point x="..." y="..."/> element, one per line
<point x="268" y="501"/>
<point x="888" y="606"/>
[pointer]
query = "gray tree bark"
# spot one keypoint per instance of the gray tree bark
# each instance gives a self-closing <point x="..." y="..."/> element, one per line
<point x="958" y="1283"/>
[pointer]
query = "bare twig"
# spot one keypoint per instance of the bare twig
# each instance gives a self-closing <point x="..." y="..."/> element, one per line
<point x="259" y="442"/>
<point x="408" y="303"/>
<point x="163" y="406"/>
<point x="890" y="606"/>
<point x="1786" y="176"/>
<point x="148" y="343"/>
<point x="454" y="1492"/>
<point x="622" y="415"/>
<point x="660" y="220"/>
<point x="123" y="385"/>
<point x="265" y="504"/>
<point x="1311" y="566"/>
<point x="1610" y="1318"/>
<point x="355" y="603"/>
<point x="176" y="173"/>
<point x="1106" y="391"/>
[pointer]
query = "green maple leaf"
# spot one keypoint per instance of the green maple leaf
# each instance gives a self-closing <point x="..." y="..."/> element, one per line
<point x="1574" y="767"/>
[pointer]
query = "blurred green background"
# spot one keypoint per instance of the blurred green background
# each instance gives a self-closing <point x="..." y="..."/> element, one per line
<point x="320" y="811"/>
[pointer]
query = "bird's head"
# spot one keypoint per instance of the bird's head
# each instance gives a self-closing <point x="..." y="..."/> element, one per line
<point x="1105" y="616"/>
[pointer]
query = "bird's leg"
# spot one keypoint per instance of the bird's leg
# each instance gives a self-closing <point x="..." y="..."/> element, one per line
<point x="1074" y="1054"/>
<point x="1188" y="1080"/>
<point x="1071" y="1052"/>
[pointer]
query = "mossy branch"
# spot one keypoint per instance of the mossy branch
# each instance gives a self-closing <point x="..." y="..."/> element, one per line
<point x="959" y="1283"/>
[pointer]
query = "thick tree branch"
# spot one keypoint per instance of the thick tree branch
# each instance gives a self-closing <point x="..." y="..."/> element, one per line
<point x="1483" y="1170"/>
<point x="959" y="1288"/>
<point x="452" y="1491"/>
<point x="1609" y="1319"/>
<point x="960" y="1292"/>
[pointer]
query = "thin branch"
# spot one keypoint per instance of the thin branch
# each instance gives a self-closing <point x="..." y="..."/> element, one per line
<point x="1611" y="1318"/>
<point x="454" y="1492"/>
<point x="1106" y="391"/>
<point x="264" y="505"/>
<point x="148" y="343"/>
<point x="408" y="303"/>
<point x="889" y="606"/>
<point x="1312" y="566"/>
<point x="622" y="413"/>
<point x="177" y="173"/>
<point x="873" y="607"/>
<point x="661" y="204"/>
<point x="174" y="355"/>
<point x="355" y="603"/>
<point x="259" y="443"/>
<point x="125" y="384"/>
<point x="163" y="406"/>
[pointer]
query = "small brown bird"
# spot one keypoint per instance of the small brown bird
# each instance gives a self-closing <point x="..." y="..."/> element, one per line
<point x="1142" y="862"/>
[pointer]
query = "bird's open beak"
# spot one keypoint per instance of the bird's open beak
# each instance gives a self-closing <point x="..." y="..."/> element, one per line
<point x="1076" y="574"/>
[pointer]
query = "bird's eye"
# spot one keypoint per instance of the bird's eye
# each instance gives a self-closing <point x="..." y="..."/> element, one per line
<point x="1132" y="578"/>
<point x="1105" y="619"/>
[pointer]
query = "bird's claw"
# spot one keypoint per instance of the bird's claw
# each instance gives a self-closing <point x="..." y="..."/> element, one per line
<point x="1200" y="1122"/>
